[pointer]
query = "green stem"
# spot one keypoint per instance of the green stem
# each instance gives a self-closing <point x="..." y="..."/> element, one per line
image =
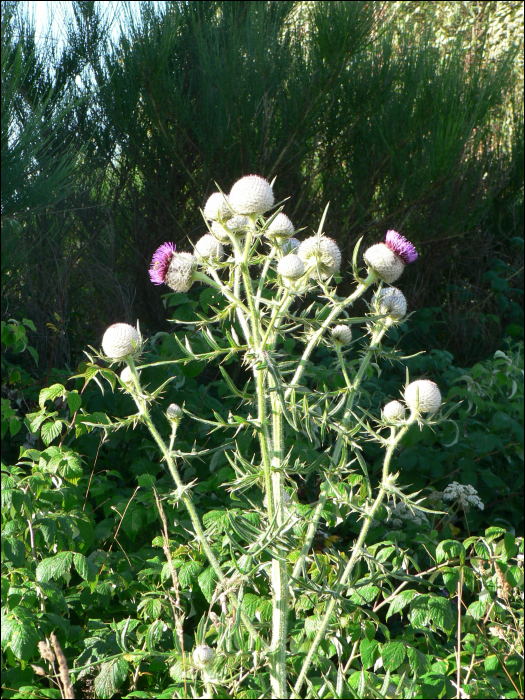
<point x="321" y="632"/>
<point x="185" y="496"/>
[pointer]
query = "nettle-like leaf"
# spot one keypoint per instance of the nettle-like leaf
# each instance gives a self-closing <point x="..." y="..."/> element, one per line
<point x="151" y="608"/>
<point x="112" y="675"/>
<point x="21" y="635"/>
<point x="208" y="583"/>
<point x="54" y="567"/>
<point x="370" y="652"/>
<point x="400" y="601"/>
<point x="50" y="431"/>
<point x="393" y="654"/>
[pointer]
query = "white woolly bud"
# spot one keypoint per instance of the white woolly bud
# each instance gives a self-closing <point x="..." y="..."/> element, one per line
<point x="127" y="376"/>
<point x="342" y="334"/>
<point x="217" y="207"/>
<point x="423" y="396"/>
<point x="208" y="248"/>
<point x="290" y="245"/>
<point x="385" y="262"/>
<point x="120" y="340"/>
<point x="180" y="272"/>
<point x="237" y="225"/>
<point x="394" y="411"/>
<point x="291" y="267"/>
<point x="174" y="412"/>
<point x="392" y="301"/>
<point x="251" y="195"/>
<point x="203" y="654"/>
<point x="281" y="227"/>
<point x="321" y="256"/>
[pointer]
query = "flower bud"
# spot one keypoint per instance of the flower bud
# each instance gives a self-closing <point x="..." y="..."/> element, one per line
<point x="392" y="301"/>
<point x="120" y="340"/>
<point x="208" y="248"/>
<point x="217" y="207"/>
<point x="179" y="275"/>
<point x="202" y="655"/>
<point x="394" y="411"/>
<point x="342" y="334"/>
<point x="127" y="376"/>
<point x="321" y="256"/>
<point x="291" y="267"/>
<point x="174" y="412"/>
<point x="423" y="396"/>
<point x="281" y="227"/>
<point x="237" y="225"/>
<point x="251" y="195"/>
<point x="385" y="262"/>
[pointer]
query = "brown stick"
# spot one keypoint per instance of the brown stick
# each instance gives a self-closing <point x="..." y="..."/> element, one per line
<point x="67" y="689"/>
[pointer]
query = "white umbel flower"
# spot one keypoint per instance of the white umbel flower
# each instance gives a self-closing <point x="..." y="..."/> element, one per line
<point x="120" y="340"/>
<point x="174" y="412"/>
<point x="342" y="334"/>
<point x="281" y="227"/>
<point x="464" y="493"/>
<point x="321" y="256"/>
<point x="208" y="248"/>
<point x="237" y="225"/>
<point x="180" y="272"/>
<point x="392" y="301"/>
<point x="394" y="411"/>
<point x="202" y="655"/>
<point x="251" y="195"/>
<point x="423" y="396"/>
<point x="291" y="267"/>
<point x="217" y="207"/>
<point x="290" y="245"/>
<point x="385" y="262"/>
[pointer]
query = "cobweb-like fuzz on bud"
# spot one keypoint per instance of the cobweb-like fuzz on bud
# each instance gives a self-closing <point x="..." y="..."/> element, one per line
<point x="342" y="334"/>
<point x="174" y="412"/>
<point x="203" y="655"/>
<point x="423" y="396"/>
<point x="321" y="256"/>
<point x="291" y="267"/>
<point x="394" y="411"/>
<point x="217" y="207"/>
<point x="237" y="226"/>
<point x="161" y="262"/>
<point x="280" y="228"/>
<point x="208" y="248"/>
<point x="388" y="259"/>
<point x="120" y="340"/>
<point x="127" y="376"/>
<point x="180" y="272"/>
<point x="251" y="195"/>
<point x="392" y="301"/>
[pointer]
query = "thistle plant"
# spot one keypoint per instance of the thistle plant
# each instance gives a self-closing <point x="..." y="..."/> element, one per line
<point x="272" y="284"/>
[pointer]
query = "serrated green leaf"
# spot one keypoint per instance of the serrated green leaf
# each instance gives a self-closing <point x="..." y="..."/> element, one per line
<point x="370" y="652"/>
<point x="23" y="639"/>
<point x="188" y="573"/>
<point x="393" y="655"/>
<point x="54" y="567"/>
<point x="400" y="601"/>
<point x="14" y="551"/>
<point x="441" y="613"/>
<point x="151" y="607"/>
<point x="50" y="393"/>
<point x="418" y="661"/>
<point x="419" y="614"/>
<point x="74" y="401"/>
<point x="112" y="675"/>
<point x="85" y="567"/>
<point x="50" y="431"/>
<point x="450" y="549"/>
<point x="208" y="583"/>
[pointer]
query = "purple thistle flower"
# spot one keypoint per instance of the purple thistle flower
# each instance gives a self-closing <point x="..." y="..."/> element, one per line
<point x="399" y="245"/>
<point x="161" y="262"/>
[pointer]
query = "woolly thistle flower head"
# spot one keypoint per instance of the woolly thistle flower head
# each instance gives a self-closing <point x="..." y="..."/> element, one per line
<point x="392" y="301"/>
<point x="237" y="225"/>
<point x="216" y="207"/>
<point x="342" y="334"/>
<point x="179" y="275"/>
<point x="203" y="655"/>
<point x="291" y="267"/>
<point x="321" y="256"/>
<point x="120" y="340"/>
<point x="174" y="412"/>
<point x="280" y="228"/>
<point x="160" y="262"/>
<point x="251" y="195"/>
<point x="290" y="245"/>
<point x="388" y="259"/>
<point x="423" y="396"/>
<point x="394" y="411"/>
<point x="208" y="248"/>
